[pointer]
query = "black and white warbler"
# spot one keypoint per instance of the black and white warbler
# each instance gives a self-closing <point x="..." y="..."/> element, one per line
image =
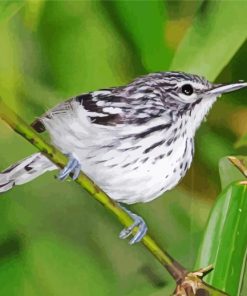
<point x="135" y="141"/>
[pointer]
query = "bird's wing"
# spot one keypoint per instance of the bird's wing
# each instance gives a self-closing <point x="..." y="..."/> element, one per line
<point x="114" y="107"/>
<point x="97" y="106"/>
<point x="106" y="107"/>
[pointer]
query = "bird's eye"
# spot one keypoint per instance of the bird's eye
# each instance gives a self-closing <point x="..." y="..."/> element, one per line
<point x="187" y="89"/>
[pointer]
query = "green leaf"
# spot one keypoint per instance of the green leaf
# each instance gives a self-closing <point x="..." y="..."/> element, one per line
<point x="242" y="142"/>
<point x="213" y="39"/>
<point x="225" y="240"/>
<point x="228" y="173"/>
<point x="217" y="145"/>
<point x="33" y="11"/>
<point x="63" y="269"/>
<point x="9" y="9"/>
<point x="144" y="24"/>
<point x="11" y="276"/>
<point x="85" y="38"/>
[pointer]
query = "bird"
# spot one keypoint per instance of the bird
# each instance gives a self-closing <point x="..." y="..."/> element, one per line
<point x="134" y="141"/>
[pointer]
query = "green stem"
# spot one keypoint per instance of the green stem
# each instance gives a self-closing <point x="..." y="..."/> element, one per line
<point x="177" y="271"/>
<point x="18" y="125"/>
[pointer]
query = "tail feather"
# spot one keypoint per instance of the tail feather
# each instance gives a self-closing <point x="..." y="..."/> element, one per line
<point x="25" y="171"/>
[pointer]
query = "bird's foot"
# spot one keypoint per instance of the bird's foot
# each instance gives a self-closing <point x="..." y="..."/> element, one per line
<point x="138" y="222"/>
<point x="73" y="167"/>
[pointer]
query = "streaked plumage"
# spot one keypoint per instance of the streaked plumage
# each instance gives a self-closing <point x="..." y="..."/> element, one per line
<point x="135" y="135"/>
<point x="135" y="141"/>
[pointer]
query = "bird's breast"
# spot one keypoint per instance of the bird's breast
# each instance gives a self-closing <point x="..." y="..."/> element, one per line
<point x="140" y="170"/>
<point x="131" y="164"/>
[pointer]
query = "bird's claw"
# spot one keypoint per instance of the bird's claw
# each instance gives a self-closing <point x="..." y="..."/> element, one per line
<point x="142" y="230"/>
<point x="73" y="167"/>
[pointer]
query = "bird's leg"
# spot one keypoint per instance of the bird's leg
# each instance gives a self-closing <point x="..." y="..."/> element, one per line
<point x="138" y="222"/>
<point x="73" y="167"/>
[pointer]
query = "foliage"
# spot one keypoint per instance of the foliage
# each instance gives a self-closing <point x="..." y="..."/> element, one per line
<point x="210" y="35"/>
<point x="224" y="243"/>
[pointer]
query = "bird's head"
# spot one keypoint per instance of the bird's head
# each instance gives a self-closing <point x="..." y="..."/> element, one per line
<point x="182" y="89"/>
<point x="180" y="93"/>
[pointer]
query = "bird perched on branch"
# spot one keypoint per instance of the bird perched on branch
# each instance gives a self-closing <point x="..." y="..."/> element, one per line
<point x="134" y="141"/>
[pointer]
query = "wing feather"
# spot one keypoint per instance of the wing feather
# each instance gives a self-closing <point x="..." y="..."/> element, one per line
<point x="108" y="107"/>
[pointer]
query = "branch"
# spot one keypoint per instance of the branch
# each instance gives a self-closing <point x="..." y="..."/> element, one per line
<point x="187" y="282"/>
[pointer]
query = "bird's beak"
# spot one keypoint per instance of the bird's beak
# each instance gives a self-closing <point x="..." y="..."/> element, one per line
<point x="219" y="89"/>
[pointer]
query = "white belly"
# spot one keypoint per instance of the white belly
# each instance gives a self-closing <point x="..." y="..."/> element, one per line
<point x="130" y="178"/>
<point x="126" y="174"/>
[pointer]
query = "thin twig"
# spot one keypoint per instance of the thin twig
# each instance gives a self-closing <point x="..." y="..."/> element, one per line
<point x="177" y="271"/>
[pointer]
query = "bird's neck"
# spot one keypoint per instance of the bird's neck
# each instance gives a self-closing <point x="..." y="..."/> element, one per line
<point x="197" y="114"/>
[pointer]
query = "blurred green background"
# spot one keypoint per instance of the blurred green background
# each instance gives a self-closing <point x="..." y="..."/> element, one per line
<point x="54" y="238"/>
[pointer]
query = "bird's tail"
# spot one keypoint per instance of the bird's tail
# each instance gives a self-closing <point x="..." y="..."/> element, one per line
<point x="25" y="171"/>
